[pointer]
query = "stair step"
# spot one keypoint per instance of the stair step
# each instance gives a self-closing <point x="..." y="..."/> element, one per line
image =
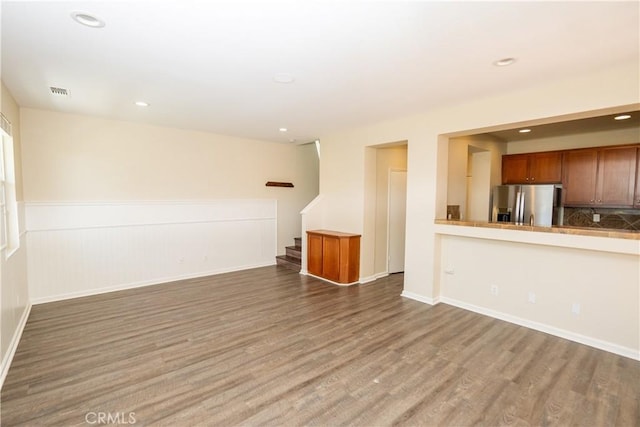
<point x="298" y="242"/>
<point x="288" y="262"/>
<point x="294" y="252"/>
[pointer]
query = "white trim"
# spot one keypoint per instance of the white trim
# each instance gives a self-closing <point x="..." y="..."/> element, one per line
<point x="312" y="204"/>
<point x="143" y="283"/>
<point x="11" y="251"/>
<point x="13" y="345"/>
<point x="135" y="203"/>
<point x="420" y="298"/>
<point x="144" y="224"/>
<point x="562" y="333"/>
<point x="78" y="216"/>
<point x="308" y="221"/>
<point x="331" y="281"/>
<point x="373" y="277"/>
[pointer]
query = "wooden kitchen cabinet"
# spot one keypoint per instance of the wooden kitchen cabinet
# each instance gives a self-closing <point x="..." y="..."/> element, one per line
<point x="604" y="176"/>
<point x="580" y="171"/>
<point x="532" y="168"/>
<point x="333" y="255"/>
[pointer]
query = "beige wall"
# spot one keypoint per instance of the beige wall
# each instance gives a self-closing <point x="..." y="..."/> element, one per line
<point x="78" y="158"/>
<point x="601" y="283"/>
<point x="568" y="142"/>
<point x="13" y="279"/>
<point x="459" y="150"/>
<point x="342" y="167"/>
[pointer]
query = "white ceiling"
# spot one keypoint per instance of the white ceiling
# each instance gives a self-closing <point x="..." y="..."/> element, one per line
<point x="210" y="65"/>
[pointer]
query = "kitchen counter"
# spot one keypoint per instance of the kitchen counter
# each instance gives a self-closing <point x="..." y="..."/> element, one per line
<point x="612" y="241"/>
<point x="576" y="231"/>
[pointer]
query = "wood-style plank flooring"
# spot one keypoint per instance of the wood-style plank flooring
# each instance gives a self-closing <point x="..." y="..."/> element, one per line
<point x="268" y="347"/>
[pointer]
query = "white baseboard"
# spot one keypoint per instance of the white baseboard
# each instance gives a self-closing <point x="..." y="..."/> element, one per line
<point x="124" y="286"/>
<point x="571" y="336"/>
<point x="331" y="281"/>
<point x="13" y="345"/>
<point x="372" y="278"/>
<point x="420" y="298"/>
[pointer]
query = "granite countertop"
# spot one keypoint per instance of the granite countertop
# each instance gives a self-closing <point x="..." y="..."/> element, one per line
<point x="564" y="229"/>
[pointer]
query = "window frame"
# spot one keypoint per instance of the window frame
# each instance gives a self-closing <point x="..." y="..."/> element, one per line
<point x="9" y="221"/>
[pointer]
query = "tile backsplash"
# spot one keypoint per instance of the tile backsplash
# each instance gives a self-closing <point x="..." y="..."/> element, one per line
<point x="621" y="219"/>
<point x="453" y="211"/>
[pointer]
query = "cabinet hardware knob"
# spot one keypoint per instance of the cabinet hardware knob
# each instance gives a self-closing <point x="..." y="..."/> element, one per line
<point x="533" y="179"/>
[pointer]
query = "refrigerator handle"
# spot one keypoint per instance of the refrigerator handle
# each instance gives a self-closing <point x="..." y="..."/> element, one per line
<point x="522" y="195"/>
<point x="518" y="197"/>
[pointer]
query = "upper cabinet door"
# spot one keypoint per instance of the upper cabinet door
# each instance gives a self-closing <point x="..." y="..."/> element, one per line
<point x="515" y="169"/>
<point x="616" y="176"/>
<point x="533" y="168"/>
<point x="579" y="177"/>
<point x="545" y="168"/>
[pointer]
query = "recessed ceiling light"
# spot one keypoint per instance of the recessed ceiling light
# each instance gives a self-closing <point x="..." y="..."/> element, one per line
<point x="524" y="130"/>
<point x="142" y="104"/>
<point x="504" y="62"/>
<point x="283" y="129"/>
<point x="622" y="117"/>
<point x="283" y="78"/>
<point x="87" y="19"/>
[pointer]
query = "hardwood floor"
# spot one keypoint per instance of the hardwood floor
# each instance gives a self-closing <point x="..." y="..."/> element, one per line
<point x="270" y="347"/>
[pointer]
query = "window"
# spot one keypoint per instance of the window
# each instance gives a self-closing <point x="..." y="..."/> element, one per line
<point x="9" y="232"/>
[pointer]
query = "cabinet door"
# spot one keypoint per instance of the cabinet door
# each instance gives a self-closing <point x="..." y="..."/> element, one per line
<point x="314" y="254"/>
<point x="616" y="176"/>
<point x="331" y="258"/>
<point x="579" y="177"/>
<point x="515" y="169"/>
<point x="545" y="168"/>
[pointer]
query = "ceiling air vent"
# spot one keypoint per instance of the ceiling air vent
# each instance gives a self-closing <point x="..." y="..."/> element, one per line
<point x="59" y="91"/>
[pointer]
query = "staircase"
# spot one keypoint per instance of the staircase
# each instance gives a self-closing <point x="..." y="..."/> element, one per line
<point x="293" y="258"/>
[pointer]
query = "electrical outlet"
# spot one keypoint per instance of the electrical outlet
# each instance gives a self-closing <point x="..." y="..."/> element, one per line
<point x="575" y="308"/>
<point x="449" y="271"/>
<point x="532" y="298"/>
<point x="494" y="290"/>
<point x="596" y="217"/>
<point x="181" y="260"/>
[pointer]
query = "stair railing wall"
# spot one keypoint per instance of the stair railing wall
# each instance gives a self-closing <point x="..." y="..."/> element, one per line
<point x="312" y="219"/>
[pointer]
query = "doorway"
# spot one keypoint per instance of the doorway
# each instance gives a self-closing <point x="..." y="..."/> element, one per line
<point x="397" y="214"/>
<point x="386" y="161"/>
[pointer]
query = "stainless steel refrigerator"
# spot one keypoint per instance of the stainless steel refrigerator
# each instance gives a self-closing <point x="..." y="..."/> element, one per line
<point x="539" y="205"/>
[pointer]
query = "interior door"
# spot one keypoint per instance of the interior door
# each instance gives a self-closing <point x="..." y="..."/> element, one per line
<point x="397" y="220"/>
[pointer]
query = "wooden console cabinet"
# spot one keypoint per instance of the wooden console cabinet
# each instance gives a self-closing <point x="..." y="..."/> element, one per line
<point x="333" y="255"/>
